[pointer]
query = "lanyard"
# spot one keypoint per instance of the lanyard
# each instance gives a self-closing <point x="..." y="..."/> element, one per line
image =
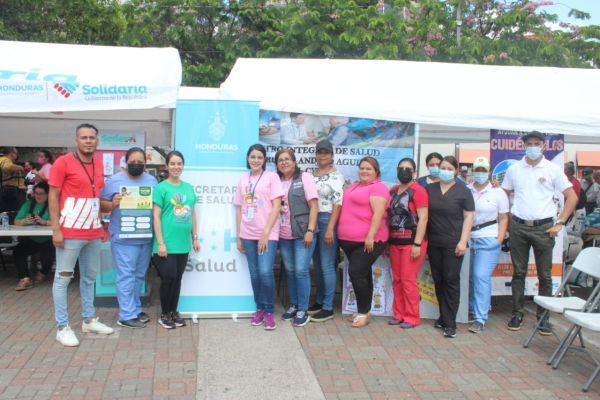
<point x="87" y="173"/>
<point x="478" y="197"/>
<point x="481" y="193"/>
<point x="255" y="185"/>
<point x="286" y="189"/>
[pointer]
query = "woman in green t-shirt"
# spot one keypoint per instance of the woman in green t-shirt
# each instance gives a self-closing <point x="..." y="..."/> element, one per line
<point x="174" y="236"/>
<point x="34" y="212"/>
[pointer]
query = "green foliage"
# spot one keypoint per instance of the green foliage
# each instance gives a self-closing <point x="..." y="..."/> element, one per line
<point x="211" y="34"/>
<point x="62" y="21"/>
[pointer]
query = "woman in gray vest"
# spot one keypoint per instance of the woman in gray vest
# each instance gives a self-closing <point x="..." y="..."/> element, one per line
<point x="298" y="225"/>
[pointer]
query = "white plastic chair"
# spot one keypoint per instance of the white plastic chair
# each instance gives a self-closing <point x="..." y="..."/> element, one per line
<point x="588" y="261"/>
<point x="582" y="319"/>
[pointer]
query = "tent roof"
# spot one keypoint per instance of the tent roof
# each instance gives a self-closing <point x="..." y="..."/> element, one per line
<point x="46" y="77"/>
<point x="444" y="98"/>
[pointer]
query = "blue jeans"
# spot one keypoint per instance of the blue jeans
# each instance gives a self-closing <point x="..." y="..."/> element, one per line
<point x="297" y="261"/>
<point x="88" y="252"/>
<point x="485" y="253"/>
<point x="261" y="273"/>
<point x="324" y="262"/>
<point x="132" y="263"/>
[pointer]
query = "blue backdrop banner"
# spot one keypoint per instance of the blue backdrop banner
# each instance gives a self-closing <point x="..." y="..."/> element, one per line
<point x="213" y="137"/>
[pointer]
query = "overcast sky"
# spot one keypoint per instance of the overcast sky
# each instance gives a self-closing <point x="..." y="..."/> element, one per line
<point x="562" y="8"/>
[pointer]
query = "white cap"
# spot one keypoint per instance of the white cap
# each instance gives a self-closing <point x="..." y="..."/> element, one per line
<point x="464" y="168"/>
<point x="481" y="162"/>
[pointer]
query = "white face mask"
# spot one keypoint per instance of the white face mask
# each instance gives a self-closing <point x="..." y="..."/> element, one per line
<point x="480" y="177"/>
<point x="533" y="152"/>
<point x="446" y="176"/>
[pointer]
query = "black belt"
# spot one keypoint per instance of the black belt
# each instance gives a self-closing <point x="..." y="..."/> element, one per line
<point x="533" y="223"/>
<point x="481" y="226"/>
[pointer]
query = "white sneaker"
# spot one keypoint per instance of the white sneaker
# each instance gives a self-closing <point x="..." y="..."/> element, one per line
<point x="67" y="337"/>
<point x="95" y="326"/>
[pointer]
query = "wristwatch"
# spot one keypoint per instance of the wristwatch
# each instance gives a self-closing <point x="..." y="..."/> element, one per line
<point x="559" y="222"/>
<point x="310" y="230"/>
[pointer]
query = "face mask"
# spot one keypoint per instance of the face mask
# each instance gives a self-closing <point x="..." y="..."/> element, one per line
<point x="533" y="152"/>
<point x="135" y="169"/>
<point x="41" y="161"/>
<point x="446" y="176"/>
<point x="27" y="169"/>
<point x="434" y="171"/>
<point x="405" y="176"/>
<point x="480" y="177"/>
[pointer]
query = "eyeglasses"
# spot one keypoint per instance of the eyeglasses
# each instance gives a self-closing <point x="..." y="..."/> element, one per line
<point x="41" y="194"/>
<point x="404" y="169"/>
<point x="282" y="160"/>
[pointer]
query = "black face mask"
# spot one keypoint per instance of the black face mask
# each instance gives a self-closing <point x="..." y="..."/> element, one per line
<point x="405" y="176"/>
<point x="135" y="169"/>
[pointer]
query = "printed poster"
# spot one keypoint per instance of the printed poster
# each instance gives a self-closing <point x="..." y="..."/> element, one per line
<point x="136" y="212"/>
<point x="506" y="148"/>
<point x="352" y="137"/>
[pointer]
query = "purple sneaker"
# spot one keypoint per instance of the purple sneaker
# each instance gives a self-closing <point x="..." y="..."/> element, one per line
<point x="269" y="322"/>
<point x="258" y="318"/>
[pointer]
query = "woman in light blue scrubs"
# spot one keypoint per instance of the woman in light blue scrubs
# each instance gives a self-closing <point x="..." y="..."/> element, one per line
<point x="132" y="255"/>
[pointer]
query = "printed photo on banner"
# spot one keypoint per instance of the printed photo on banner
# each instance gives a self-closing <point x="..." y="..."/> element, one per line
<point x="292" y="128"/>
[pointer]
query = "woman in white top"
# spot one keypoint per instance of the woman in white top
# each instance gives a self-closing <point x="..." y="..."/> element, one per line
<point x="330" y="188"/>
<point x="489" y="228"/>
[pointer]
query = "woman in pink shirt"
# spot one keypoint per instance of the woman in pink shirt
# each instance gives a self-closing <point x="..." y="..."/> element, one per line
<point x="363" y="233"/>
<point x="45" y="161"/>
<point x="258" y="200"/>
<point x="298" y="216"/>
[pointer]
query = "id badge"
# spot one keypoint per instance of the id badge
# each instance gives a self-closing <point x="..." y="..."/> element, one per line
<point x="250" y="213"/>
<point x="282" y="215"/>
<point x="95" y="205"/>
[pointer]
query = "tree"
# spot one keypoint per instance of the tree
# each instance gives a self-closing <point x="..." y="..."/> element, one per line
<point x="199" y="29"/>
<point x="212" y="34"/>
<point x="62" y="21"/>
<point x="516" y="33"/>
<point x="493" y="32"/>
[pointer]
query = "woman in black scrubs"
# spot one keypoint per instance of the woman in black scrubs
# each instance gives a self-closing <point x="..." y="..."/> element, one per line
<point x="451" y="210"/>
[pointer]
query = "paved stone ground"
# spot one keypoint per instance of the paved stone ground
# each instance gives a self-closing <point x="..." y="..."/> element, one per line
<point x="376" y="362"/>
<point x="384" y="362"/>
<point x="151" y="363"/>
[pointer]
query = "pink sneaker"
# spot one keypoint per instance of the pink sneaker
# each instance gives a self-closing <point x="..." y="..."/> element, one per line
<point x="258" y="318"/>
<point x="269" y="322"/>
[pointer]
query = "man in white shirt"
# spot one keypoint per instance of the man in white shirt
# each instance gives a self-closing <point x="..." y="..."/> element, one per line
<point x="590" y="188"/>
<point x="534" y="181"/>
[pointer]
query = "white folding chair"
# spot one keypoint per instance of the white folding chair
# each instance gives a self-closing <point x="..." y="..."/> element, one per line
<point x="582" y="319"/>
<point x="588" y="261"/>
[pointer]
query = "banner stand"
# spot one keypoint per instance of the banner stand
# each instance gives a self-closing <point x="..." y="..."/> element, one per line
<point x="213" y="137"/>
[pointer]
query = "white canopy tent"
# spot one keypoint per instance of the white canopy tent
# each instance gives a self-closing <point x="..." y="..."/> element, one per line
<point x="56" y="129"/>
<point x="48" y="89"/>
<point x="451" y="102"/>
